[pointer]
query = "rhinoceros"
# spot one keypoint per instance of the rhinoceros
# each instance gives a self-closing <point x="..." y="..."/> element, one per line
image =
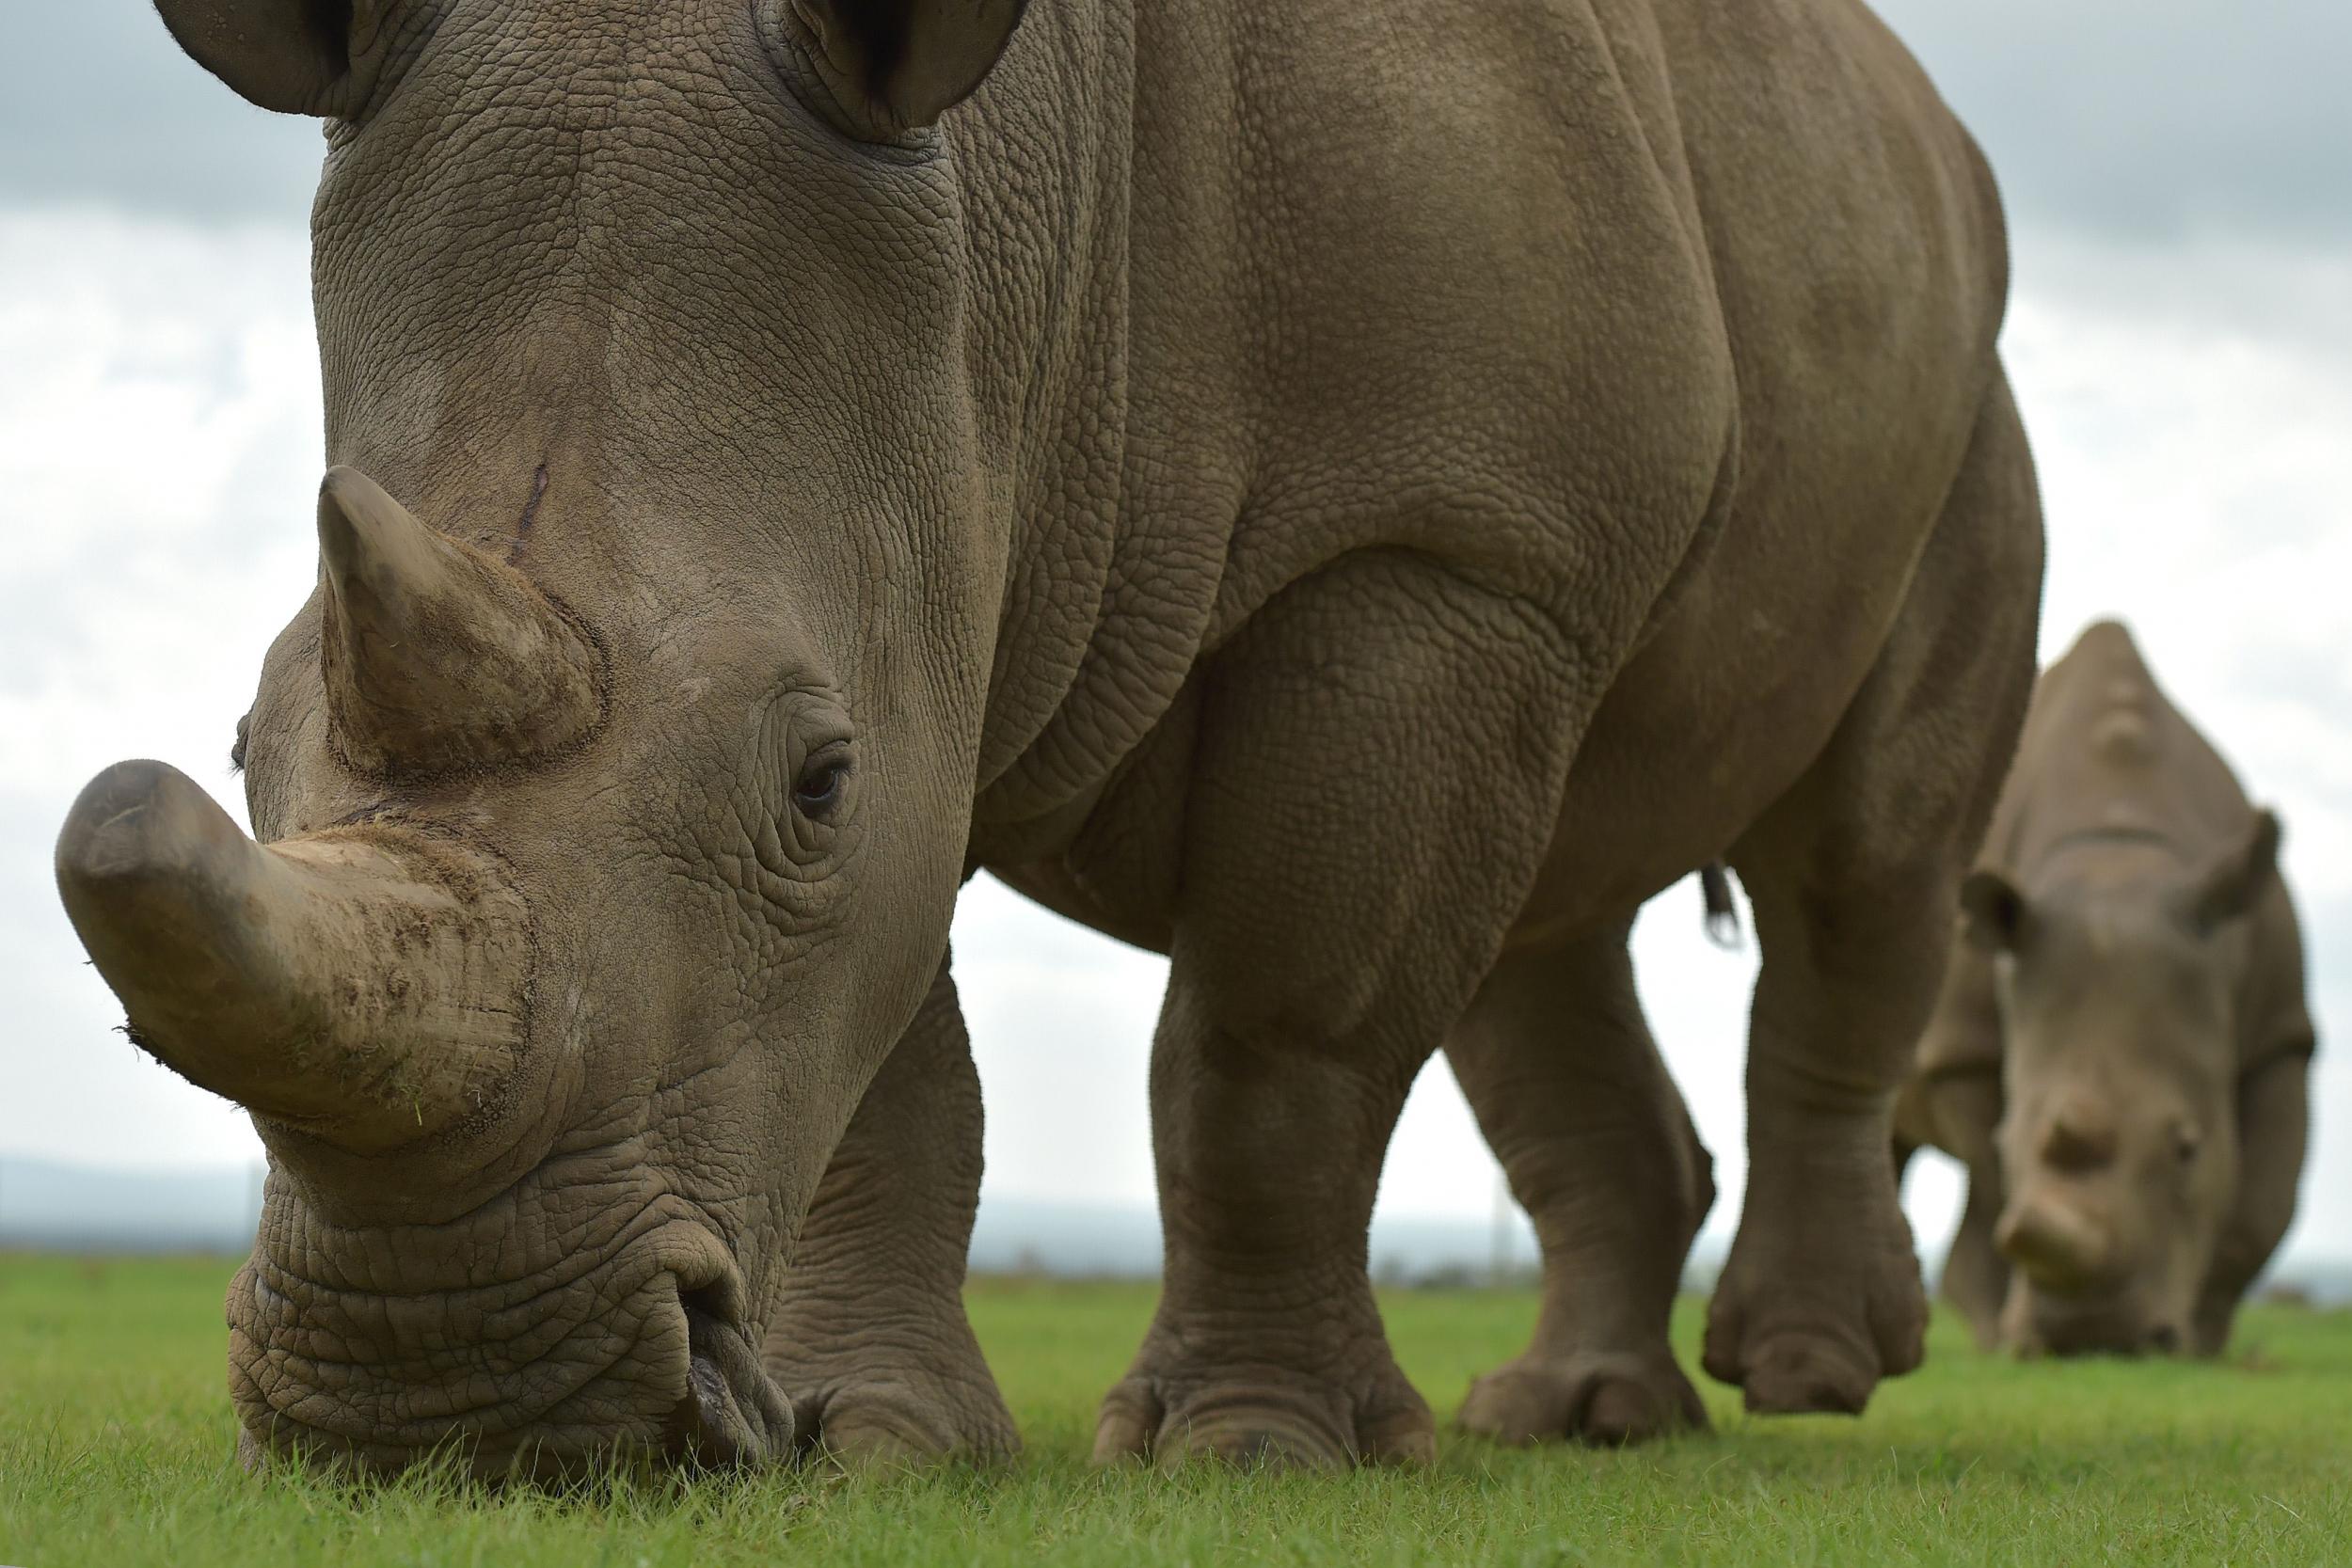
<point x="2121" y="1052"/>
<point x="1356" y="497"/>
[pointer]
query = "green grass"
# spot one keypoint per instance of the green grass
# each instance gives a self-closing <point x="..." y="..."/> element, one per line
<point x="116" y="1448"/>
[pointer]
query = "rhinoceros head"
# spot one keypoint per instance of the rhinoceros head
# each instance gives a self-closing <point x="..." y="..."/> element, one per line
<point x="612" y="787"/>
<point x="2117" y="983"/>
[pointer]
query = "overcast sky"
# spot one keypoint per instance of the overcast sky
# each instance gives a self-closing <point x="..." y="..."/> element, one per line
<point x="2181" y="339"/>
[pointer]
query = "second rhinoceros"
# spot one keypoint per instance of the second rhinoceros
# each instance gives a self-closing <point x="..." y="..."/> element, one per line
<point x="1357" y="496"/>
<point x="2121" y="1049"/>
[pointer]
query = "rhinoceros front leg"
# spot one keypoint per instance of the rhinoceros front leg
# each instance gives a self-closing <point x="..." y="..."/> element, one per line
<point x="1557" y="1060"/>
<point x="2273" y="1117"/>
<point x="1379" y="761"/>
<point x="872" y="1342"/>
<point x="1967" y="1110"/>
<point x="1854" y="875"/>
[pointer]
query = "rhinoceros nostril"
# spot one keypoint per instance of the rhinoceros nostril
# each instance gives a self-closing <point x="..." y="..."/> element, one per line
<point x="2164" y="1338"/>
<point x="730" y="1414"/>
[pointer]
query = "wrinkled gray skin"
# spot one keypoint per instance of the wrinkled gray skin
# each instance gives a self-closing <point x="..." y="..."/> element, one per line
<point x="1356" y="497"/>
<point x="2120" y="1050"/>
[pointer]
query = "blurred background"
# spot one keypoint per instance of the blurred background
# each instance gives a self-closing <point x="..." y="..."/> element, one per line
<point x="2180" y="188"/>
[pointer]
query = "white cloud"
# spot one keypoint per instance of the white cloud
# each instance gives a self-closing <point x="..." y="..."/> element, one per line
<point x="2195" y="468"/>
<point x="2150" y="122"/>
<point x="159" y="445"/>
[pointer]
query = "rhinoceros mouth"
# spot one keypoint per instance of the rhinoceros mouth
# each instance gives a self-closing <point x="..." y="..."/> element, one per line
<point x="2109" y="1325"/>
<point x="644" y="1354"/>
<point x="729" y="1414"/>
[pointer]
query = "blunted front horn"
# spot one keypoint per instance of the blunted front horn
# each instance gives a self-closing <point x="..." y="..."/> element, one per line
<point x="2058" y="1248"/>
<point x="365" y="983"/>
<point x="436" y="657"/>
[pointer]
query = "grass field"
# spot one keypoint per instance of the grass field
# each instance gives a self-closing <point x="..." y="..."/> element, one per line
<point x="115" y="1448"/>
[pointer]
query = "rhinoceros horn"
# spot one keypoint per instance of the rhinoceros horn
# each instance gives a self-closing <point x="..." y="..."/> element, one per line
<point x="438" y="658"/>
<point x="365" y="983"/>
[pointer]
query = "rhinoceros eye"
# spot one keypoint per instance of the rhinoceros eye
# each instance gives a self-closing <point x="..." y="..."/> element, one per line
<point x="824" y="778"/>
<point x="2186" y="1141"/>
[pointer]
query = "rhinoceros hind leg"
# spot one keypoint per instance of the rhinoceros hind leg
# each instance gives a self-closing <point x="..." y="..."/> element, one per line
<point x="872" y="1342"/>
<point x="1854" y="875"/>
<point x="1556" y="1058"/>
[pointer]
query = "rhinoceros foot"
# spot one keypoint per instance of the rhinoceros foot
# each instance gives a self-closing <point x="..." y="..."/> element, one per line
<point x="906" y="1417"/>
<point x="1352" y="1406"/>
<point x="1812" y="1328"/>
<point x="1602" y="1398"/>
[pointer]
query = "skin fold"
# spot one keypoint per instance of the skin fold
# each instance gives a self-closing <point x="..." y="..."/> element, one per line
<point x="1356" y="497"/>
<point x="2121" y="1052"/>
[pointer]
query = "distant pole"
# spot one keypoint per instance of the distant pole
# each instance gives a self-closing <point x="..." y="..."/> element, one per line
<point x="1499" y="1266"/>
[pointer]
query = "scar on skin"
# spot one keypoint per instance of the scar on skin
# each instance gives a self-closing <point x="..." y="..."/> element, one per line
<point x="530" y="514"/>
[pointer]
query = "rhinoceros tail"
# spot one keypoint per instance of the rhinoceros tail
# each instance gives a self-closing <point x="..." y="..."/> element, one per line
<point x="1722" y="915"/>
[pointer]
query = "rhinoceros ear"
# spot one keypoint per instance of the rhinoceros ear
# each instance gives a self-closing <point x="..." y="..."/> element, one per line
<point x="1997" y="917"/>
<point x="891" y="65"/>
<point x="291" y="56"/>
<point x="2227" y="889"/>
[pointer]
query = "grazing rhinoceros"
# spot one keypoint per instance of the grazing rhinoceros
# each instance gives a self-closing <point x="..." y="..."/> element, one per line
<point x="2120" y="1049"/>
<point x="1355" y="496"/>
